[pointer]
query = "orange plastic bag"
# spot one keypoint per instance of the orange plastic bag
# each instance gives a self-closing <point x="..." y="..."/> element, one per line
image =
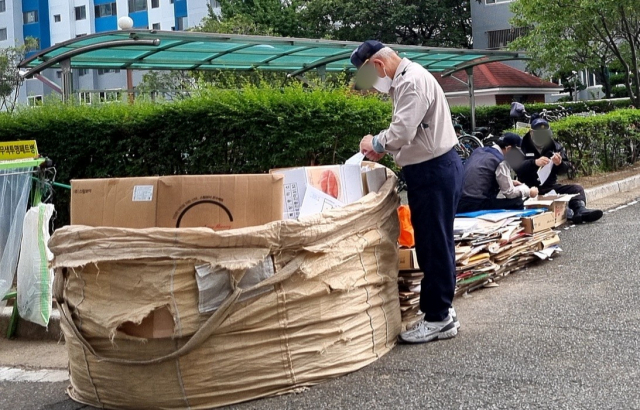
<point x="406" y="229"/>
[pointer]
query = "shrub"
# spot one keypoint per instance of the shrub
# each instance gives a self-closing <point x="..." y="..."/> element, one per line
<point x="604" y="142"/>
<point x="499" y="114"/>
<point x="218" y="131"/>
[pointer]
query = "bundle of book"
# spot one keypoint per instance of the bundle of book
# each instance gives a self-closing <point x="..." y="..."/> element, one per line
<point x="489" y="246"/>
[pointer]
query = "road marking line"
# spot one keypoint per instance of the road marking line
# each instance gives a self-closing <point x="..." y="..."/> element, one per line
<point x="9" y="374"/>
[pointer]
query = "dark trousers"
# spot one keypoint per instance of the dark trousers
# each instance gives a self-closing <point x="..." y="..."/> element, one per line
<point x="567" y="189"/>
<point x="433" y="189"/>
<point x="473" y="205"/>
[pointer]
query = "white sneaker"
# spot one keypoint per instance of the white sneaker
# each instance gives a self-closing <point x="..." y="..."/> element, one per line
<point x="424" y="331"/>
<point x="454" y="317"/>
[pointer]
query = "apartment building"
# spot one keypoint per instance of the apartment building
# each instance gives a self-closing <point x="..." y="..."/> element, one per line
<point x="492" y="30"/>
<point x="55" y="21"/>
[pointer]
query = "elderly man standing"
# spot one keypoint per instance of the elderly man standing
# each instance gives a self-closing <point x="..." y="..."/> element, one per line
<point x="421" y="139"/>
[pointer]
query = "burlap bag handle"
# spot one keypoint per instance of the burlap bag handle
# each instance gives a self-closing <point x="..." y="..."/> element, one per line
<point x="202" y="334"/>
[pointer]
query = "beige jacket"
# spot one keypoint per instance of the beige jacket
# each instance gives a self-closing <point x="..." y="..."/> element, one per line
<point x="421" y="128"/>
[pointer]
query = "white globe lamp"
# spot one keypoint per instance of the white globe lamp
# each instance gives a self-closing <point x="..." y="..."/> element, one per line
<point x="125" y="23"/>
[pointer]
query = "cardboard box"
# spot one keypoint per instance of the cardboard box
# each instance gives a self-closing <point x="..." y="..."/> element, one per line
<point x="407" y="259"/>
<point x="123" y="202"/>
<point x="539" y="223"/>
<point x="217" y="201"/>
<point x="557" y="204"/>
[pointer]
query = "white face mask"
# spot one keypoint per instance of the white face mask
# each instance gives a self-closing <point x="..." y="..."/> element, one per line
<point x="383" y="84"/>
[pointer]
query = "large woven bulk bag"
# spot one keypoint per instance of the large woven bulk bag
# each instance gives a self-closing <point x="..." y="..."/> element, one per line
<point x="192" y="318"/>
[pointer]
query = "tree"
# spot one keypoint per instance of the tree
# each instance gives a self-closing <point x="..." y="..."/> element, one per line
<point x="10" y="78"/>
<point x="442" y="23"/>
<point x="576" y="34"/>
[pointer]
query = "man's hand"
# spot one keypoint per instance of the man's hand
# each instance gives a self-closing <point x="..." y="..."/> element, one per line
<point x="366" y="147"/>
<point x="556" y="158"/>
<point x="542" y="161"/>
<point x="533" y="192"/>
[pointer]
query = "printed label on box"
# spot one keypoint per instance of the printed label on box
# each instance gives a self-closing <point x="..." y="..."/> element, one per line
<point x="142" y="193"/>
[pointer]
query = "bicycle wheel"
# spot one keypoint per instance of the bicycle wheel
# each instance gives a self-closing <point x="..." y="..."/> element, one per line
<point x="470" y="142"/>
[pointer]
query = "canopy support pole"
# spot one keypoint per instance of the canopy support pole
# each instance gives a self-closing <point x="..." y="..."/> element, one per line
<point x="67" y="80"/>
<point x="472" y="98"/>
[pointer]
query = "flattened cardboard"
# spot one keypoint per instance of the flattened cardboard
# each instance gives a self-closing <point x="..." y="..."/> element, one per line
<point x="554" y="203"/>
<point x="342" y="182"/>
<point x="407" y="259"/>
<point x="121" y="202"/>
<point x="295" y="186"/>
<point x="219" y="202"/>
<point x="539" y="223"/>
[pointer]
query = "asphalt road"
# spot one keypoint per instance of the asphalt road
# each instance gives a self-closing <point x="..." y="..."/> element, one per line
<point x="561" y="335"/>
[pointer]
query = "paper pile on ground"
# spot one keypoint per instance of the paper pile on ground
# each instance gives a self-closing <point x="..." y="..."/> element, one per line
<point x="489" y="246"/>
<point x="493" y="245"/>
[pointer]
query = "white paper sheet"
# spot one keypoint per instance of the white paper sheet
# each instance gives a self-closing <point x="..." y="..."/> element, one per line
<point x="544" y="172"/>
<point x="356" y="159"/>
<point x="316" y="201"/>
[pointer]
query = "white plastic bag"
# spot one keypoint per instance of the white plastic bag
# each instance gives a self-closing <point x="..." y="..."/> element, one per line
<point x="15" y="185"/>
<point x="34" y="276"/>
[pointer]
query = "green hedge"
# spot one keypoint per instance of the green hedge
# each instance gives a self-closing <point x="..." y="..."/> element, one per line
<point x="218" y="131"/>
<point x="604" y="142"/>
<point x="499" y="114"/>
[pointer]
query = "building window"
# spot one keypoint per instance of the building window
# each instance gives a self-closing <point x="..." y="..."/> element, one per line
<point x="109" y="96"/>
<point x="497" y="1"/>
<point x="81" y="35"/>
<point x="501" y="38"/>
<point x="82" y="72"/>
<point x="81" y="13"/>
<point x="34" y="100"/>
<point x="59" y="74"/>
<point x="156" y="26"/>
<point x="105" y="10"/>
<point x="171" y="1"/>
<point x="181" y="23"/>
<point x="155" y="4"/>
<point x="84" y="97"/>
<point x="3" y="5"/>
<point x="30" y="17"/>
<point x="215" y="4"/>
<point x="3" y="34"/>
<point x="137" y="5"/>
<point x="56" y="18"/>
<point x="107" y="70"/>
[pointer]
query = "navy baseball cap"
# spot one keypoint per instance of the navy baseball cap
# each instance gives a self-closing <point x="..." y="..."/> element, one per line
<point x="365" y="51"/>
<point x="539" y="124"/>
<point x="509" y="138"/>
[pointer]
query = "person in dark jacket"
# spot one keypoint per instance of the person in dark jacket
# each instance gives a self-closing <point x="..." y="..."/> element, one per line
<point x="487" y="173"/>
<point x="540" y="149"/>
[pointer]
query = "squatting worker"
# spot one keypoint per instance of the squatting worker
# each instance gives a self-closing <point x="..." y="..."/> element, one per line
<point x="421" y="139"/>
<point x="487" y="173"/>
<point x="540" y="149"/>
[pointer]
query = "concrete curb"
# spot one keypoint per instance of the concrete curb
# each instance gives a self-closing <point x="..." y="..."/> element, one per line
<point x="612" y="188"/>
<point x="31" y="331"/>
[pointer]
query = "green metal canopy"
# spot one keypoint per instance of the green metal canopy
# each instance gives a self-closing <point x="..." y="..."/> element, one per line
<point x="180" y="50"/>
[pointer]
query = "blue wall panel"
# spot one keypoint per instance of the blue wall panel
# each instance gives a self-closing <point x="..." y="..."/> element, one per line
<point x="39" y="29"/>
<point x="109" y="23"/>
<point x="140" y="19"/>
